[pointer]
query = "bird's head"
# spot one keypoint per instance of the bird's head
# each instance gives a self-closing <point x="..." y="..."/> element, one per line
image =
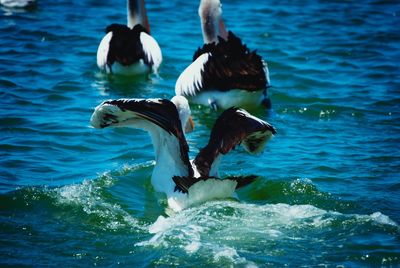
<point x="182" y="105"/>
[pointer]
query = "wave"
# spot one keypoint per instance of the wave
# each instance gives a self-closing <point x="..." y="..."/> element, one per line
<point x="232" y="231"/>
<point x="220" y="232"/>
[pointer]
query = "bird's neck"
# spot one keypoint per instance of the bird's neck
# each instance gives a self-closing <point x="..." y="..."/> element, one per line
<point x="212" y="24"/>
<point x="137" y="14"/>
<point x="168" y="162"/>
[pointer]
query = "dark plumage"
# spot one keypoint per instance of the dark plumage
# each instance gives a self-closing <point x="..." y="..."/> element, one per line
<point x="232" y="65"/>
<point x="184" y="183"/>
<point x="232" y="127"/>
<point x="125" y="45"/>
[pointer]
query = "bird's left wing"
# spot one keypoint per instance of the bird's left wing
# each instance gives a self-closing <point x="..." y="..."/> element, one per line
<point x="234" y="126"/>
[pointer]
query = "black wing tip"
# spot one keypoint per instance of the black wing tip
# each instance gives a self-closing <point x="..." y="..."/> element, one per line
<point x="182" y="184"/>
<point x="270" y="128"/>
<point x="145" y="108"/>
<point x="273" y="130"/>
<point x="231" y="110"/>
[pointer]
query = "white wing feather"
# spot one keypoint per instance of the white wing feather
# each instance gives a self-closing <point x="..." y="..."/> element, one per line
<point x="190" y="79"/>
<point x="266" y="71"/>
<point x="111" y="115"/>
<point x="102" y="51"/>
<point x="151" y="50"/>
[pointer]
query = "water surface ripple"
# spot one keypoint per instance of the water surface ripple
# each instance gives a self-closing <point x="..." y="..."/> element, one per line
<point x="329" y="188"/>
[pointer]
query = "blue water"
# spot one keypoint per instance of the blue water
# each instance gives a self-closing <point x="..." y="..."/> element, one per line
<point x="329" y="186"/>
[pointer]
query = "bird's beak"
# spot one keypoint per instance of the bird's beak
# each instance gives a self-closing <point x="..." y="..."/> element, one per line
<point x="189" y="125"/>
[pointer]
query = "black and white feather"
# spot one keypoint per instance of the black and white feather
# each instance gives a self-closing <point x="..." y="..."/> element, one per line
<point x="129" y="50"/>
<point x="223" y="66"/>
<point x="153" y="115"/>
<point x="224" y="72"/>
<point x="233" y="127"/>
<point x="187" y="182"/>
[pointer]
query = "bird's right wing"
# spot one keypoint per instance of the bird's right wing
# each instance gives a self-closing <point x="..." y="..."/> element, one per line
<point x="146" y="114"/>
<point x="131" y="112"/>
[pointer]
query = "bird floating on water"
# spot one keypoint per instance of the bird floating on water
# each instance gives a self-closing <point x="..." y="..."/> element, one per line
<point x="186" y="182"/>
<point x="224" y="72"/>
<point x="18" y="3"/>
<point x="130" y="50"/>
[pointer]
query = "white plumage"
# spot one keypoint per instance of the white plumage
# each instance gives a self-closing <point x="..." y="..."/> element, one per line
<point x="190" y="80"/>
<point x="151" y="50"/>
<point x="102" y="52"/>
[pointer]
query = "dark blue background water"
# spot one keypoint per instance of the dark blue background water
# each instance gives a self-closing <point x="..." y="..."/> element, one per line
<point x="328" y="191"/>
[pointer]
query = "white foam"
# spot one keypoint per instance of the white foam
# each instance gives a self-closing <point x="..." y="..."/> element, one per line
<point x="383" y="219"/>
<point x="177" y="226"/>
<point x="226" y="253"/>
<point x="229" y="222"/>
<point x="160" y="225"/>
<point x="223" y="229"/>
<point x="87" y="195"/>
<point x="192" y="247"/>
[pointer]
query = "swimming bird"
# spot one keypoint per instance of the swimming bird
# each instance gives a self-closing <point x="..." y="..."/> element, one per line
<point x="18" y="3"/>
<point x="186" y="182"/>
<point x="130" y="50"/>
<point x="224" y="72"/>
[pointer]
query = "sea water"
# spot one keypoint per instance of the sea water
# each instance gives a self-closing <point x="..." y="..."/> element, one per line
<point x="328" y="191"/>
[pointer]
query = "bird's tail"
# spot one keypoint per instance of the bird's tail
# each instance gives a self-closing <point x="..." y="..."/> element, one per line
<point x="184" y="184"/>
